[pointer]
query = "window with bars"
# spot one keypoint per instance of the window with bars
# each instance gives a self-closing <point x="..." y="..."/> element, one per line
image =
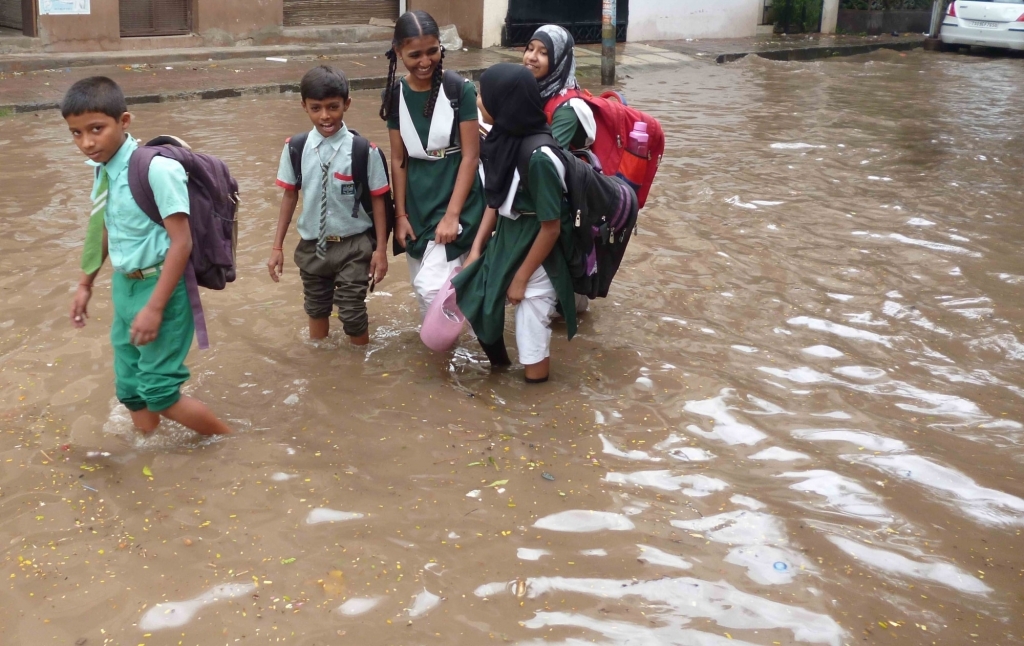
<point x="155" y="17"/>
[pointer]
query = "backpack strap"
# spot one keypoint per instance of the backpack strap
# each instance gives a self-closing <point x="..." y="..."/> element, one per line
<point x="453" y="85"/>
<point x="142" y="193"/>
<point x="296" y="145"/>
<point x="138" y="182"/>
<point x="361" y="174"/>
<point x="529" y="146"/>
<point x="559" y="100"/>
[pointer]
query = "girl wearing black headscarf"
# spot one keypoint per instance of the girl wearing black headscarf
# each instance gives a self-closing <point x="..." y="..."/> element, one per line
<point x="524" y="262"/>
<point x="549" y="57"/>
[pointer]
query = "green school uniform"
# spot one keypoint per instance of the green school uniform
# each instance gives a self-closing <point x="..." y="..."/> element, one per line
<point x="567" y="129"/>
<point x="429" y="184"/>
<point x="480" y="288"/>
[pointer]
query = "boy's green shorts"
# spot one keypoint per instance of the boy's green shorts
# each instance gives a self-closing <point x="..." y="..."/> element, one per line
<point x="150" y="376"/>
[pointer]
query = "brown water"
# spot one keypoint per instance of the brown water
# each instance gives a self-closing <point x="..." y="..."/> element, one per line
<point x="798" y="419"/>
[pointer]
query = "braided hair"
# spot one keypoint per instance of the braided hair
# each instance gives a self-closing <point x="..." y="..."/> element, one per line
<point x="411" y="24"/>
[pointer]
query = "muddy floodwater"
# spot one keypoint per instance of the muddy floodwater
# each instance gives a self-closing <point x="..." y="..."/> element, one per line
<point x="798" y="418"/>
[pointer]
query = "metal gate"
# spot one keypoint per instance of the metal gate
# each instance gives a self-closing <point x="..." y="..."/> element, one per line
<point x="337" y="12"/>
<point x="581" y="17"/>
<point x="155" y="17"/>
<point x="10" y="14"/>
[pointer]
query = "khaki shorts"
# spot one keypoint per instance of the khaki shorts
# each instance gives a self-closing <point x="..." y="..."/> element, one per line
<point x="341" y="279"/>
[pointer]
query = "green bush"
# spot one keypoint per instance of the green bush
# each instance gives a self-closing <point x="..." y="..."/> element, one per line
<point x="796" y="16"/>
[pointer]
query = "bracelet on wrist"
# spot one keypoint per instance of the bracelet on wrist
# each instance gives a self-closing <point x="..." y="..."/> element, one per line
<point x="86" y="285"/>
<point x="401" y="215"/>
<point x="278" y="248"/>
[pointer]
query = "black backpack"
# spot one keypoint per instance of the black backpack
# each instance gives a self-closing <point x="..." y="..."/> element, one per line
<point x="604" y="211"/>
<point x="361" y="150"/>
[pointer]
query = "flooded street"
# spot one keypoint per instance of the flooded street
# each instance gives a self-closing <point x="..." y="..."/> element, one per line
<point x="798" y="418"/>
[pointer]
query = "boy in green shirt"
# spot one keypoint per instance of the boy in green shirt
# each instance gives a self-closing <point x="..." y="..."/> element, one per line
<point x="152" y="324"/>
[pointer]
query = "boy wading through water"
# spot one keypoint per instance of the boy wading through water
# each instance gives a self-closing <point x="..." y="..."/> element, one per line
<point x="336" y="256"/>
<point x="152" y="325"/>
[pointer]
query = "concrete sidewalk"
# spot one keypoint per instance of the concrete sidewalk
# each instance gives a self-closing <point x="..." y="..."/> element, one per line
<point x="801" y="47"/>
<point x="186" y="75"/>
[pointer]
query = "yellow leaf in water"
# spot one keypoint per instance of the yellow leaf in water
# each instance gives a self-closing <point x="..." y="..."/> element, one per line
<point x="146" y="471"/>
<point x="334" y="584"/>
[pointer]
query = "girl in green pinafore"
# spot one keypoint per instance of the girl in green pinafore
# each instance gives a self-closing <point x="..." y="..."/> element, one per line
<point x="524" y="262"/>
<point x="435" y="156"/>
<point x="549" y="57"/>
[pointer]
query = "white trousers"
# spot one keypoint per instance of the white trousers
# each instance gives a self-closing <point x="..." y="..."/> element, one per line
<point x="533" y="319"/>
<point x="429" y="273"/>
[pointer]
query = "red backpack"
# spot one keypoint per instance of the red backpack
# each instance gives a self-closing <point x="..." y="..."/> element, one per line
<point x="615" y="121"/>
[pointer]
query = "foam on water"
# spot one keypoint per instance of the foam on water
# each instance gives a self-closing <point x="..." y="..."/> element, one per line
<point x="699" y="485"/>
<point x="843" y="495"/>
<point x="934" y="246"/>
<point x="654" y="556"/>
<point x="959" y="491"/>
<point x="676" y="601"/>
<point x="359" y="605"/>
<point x="530" y="554"/>
<point x="824" y="351"/>
<point x="844" y="331"/>
<point x="726" y="427"/>
<point x="860" y="439"/>
<point x="864" y="373"/>
<point x="609" y="449"/>
<point x="423" y="603"/>
<point x="794" y="146"/>
<point x="175" y="614"/>
<point x="779" y="454"/>
<point x="893" y="563"/>
<point x="326" y="515"/>
<point x="585" y="521"/>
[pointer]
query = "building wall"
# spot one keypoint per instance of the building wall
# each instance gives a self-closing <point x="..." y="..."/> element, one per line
<point x="216" y="22"/>
<point x="494" y="14"/>
<point x="100" y="30"/>
<point x="467" y="15"/>
<point x="236" y="18"/>
<point x="661" y="20"/>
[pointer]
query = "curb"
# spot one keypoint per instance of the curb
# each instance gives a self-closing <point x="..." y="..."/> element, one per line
<point x="361" y="83"/>
<point x="817" y="53"/>
<point x="10" y="63"/>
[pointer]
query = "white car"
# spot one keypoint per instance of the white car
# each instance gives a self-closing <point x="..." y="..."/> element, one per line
<point x="984" y="23"/>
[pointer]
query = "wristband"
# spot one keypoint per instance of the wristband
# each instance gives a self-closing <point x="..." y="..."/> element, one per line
<point x="278" y="249"/>
<point x="401" y="215"/>
<point x="85" y="285"/>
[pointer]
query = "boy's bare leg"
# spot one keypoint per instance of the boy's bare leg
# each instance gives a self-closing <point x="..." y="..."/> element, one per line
<point x="192" y="413"/>
<point x="538" y="371"/>
<point x="145" y="420"/>
<point x="318" y="328"/>
<point x="360" y="340"/>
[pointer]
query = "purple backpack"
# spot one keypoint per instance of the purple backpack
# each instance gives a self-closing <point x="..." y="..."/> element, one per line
<point x="213" y="204"/>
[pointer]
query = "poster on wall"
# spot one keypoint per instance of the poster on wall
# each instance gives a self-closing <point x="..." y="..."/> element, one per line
<point x="63" y="7"/>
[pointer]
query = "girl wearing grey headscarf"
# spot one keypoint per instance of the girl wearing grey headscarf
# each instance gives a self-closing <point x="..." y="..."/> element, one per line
<point x="549" y="57"/>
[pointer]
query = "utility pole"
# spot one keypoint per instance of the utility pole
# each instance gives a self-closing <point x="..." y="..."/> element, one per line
<point x="608" y="29"/>
<point x="936" y="19"/>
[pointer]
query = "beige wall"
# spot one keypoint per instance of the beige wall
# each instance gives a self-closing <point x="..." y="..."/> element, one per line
<point x="467" y="15"/>
<point x="237" y="17"/>
<point x="99" y="30"/>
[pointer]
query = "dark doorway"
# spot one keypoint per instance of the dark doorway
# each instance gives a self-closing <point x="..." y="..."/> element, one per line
<point x="299" y="13"/>
<point x="10" y="14"/>
<point x="155" y="17"/>
<point x="581" y="17"/>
